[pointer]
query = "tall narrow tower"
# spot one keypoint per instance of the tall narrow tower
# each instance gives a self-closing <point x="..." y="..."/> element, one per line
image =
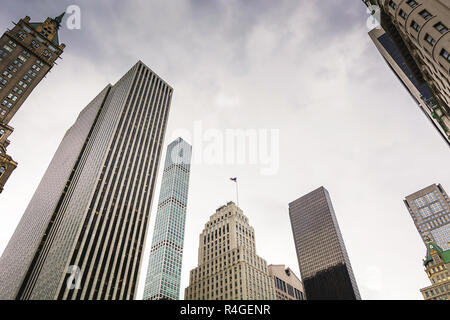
<point x="82" y="235"/>
<point x="323" y="260"/>
<point x="228" y="266"/>
<point x="27" y="53"/>
<point x="166" y="255"/>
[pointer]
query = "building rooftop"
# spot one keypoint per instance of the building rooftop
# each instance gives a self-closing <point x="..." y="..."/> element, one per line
<point x="433" y="248"/>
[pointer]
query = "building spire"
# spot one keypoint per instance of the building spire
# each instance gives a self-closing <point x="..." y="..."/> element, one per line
<point x="58" y="19"/>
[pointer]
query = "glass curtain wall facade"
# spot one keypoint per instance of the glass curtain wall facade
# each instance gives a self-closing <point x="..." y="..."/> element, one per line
<point x="323" y="260"/>
<point x="166" y="255"/>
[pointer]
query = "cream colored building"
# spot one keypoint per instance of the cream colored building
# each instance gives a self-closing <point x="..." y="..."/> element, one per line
<point x="420" y="30"/>
<point x="228" y="266"/>
<point x="287" y="285"/>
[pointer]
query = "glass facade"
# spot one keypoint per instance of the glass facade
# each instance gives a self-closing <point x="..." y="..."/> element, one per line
<point x="164" y="267"/>
<point x="430" y="211"/>
<point x="324" y="264"/>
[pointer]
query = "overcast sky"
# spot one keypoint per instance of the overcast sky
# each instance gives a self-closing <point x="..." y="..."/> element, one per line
<point x="305" y="68"/>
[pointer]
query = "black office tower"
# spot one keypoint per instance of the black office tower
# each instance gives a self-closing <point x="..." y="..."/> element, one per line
<point x="324" y="264"/>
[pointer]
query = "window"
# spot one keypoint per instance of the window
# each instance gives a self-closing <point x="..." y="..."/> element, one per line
<point x="425" y="212"/>
<point x="2" y="170"/>
<point x="415" y="25"/>
<point x="445" y="54"/>
<point x="430" y="39"/>
<point x="425" y="14"/>
<point x="47" y="54"/>
<point x="34" y="44"/>
<point x="412" y="3"/>
<point x="441" y="28"/>
<point x="436" y="207"/>
<point x="21" y="35"/>
<point x="392" y="4"/>
<point x="8" y="48"/>
<point x="403" y="14"/>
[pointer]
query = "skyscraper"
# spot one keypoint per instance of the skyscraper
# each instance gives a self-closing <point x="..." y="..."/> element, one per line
<point x="166" y="253"/>
<point x="419" y="91"/>
<point x="228" y="266"/>
<point x="420" y="31"/>
<point x="324" y="264"/>
<point x="27" y="53"/>
<point x="82" y="234"/>
<point x="430" y="210"/>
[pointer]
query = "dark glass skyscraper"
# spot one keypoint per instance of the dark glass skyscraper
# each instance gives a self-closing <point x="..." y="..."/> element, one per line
<point x="166" y="255"/>
<point x="81" y="236"/>
<point x="324" y="264"/>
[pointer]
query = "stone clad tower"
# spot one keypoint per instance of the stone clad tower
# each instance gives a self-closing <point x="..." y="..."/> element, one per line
<point x="228" y="266"/>
<point x="27" y="53"/>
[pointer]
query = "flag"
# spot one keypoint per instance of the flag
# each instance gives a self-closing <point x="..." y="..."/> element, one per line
<point x="233" y="179"/>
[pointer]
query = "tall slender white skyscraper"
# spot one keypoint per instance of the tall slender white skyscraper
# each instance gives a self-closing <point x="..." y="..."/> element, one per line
<point x="164" y="267"/>
<point x="82" y="235"/>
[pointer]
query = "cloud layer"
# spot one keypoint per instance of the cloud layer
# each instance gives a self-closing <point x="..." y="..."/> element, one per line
<point x="307" y="68"/>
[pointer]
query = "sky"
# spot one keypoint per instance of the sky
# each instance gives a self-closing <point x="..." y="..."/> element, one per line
<point x="304" y="72"/>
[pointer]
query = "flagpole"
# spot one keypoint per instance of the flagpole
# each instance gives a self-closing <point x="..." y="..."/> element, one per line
<point x="237" y="193"/>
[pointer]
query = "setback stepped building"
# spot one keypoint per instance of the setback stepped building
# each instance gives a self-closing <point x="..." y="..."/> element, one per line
<point x="228" y="266"/>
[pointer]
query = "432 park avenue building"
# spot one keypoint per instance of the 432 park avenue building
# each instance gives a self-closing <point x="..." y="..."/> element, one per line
<point x="82" y="234"/>
<point x="166" y="255"/>
<point x="228" y="266"/>
<point x="27" y="53"/>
